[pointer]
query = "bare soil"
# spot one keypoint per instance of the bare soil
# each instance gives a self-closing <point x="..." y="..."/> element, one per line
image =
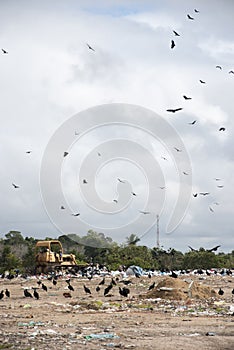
<point x="156" y="319"/>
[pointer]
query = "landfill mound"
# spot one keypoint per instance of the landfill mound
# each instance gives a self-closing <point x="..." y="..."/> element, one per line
<point x="178" y="289"/>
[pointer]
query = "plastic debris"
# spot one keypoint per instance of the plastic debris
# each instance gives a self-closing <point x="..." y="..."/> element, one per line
<point x="101" y="336"/>
<point x="211" y="334"/>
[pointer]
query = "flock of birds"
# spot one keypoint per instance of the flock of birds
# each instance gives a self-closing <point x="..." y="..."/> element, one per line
<point x="106" y="288"/>
<point x="170" y="110"/>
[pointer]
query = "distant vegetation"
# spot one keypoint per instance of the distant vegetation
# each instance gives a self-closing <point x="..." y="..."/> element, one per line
<point x="17" y="252"/>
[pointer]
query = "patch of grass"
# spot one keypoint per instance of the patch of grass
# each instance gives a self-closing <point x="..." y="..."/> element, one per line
<point x="5" y="346"/>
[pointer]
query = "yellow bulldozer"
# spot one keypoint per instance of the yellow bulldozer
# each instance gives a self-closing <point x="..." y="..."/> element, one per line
<point x="50" y="257"/>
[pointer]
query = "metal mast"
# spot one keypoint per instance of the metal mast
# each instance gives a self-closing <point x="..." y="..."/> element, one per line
<point x="158" y="231"/>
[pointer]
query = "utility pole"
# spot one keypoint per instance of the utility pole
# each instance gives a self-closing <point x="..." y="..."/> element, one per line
<point x="158" y="246"/>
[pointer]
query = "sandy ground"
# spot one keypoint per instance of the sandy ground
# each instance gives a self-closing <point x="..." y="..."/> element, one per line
<point x="98" y="322"/>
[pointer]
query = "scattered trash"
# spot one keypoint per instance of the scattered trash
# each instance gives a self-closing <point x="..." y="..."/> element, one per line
<point x="101" y="336"/>
<point x="30" y="324"/>
<point x="211" y="334"/>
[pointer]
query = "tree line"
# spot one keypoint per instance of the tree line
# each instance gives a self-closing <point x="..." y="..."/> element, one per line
<point x="18" y="253"/>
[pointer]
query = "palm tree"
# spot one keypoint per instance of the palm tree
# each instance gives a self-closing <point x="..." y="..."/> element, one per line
<point x="132" y="239"/>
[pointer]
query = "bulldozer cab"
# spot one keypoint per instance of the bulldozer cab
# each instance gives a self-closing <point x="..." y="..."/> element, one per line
<point x="49" y="251"/>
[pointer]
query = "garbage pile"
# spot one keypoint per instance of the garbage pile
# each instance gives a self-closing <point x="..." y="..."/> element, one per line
<point x="178" y="289"/>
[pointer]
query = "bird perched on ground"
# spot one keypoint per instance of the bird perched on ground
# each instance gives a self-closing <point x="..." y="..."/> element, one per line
<point x="151" y="286"/>
<point x="67" y="295"/>
<point x="107" y="289"/>
<point x="90" y="47"/>
<point x="233" y="291"/>
<point x="54" y="282"/>
<point x="2" y="294"/>
<point x="173" y="274"/>
<point x="15" y="186"/>
<point x="70" y="287"/>
<point x="220" y="292"/>
<point x="174" y="110"/>
<point x="43" y="286"/>
<point x="125" y="282"/>
<point x="172" y="44"/>
<point x="124" y="291"/>
<point x="35" y="294"/>
<point x="113" y="282"/>
<point x="27" y="294"/>
<point x="98" y="289"/>
<point x="87" y="290"/>
<point x="39" y="283"/>
<point x="7" y="293"/>
<point x="102" y="282"/>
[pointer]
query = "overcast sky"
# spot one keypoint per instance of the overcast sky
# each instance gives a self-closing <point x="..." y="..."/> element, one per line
<point x="49" y="75"/>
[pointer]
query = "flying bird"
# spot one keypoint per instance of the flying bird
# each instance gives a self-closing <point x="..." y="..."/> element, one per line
<point x="15" y="186"/>
<point x="185" y="173"/>
<point x="4" y="51"/>
<point x="195" y="10"/>
<point x="192" y="249"/>
<point x="174" y="110"/>
<point x="133" y="193"/>
<point x="231" y="72"/>
<point x="65" y="154"/>
<point x="28" y="152"/>
<point x="211" y="209"/>
<point x="177" y="149"/>
<point x="193" y="122"/>
<point x="77" y="214"/>
<point x="164" y="158"/>
<point x="90" y="47"/>
<point x="121" y="181"/>
<point x="115" y="200"/>
<point x="219" y="67"/>
<point x="62" y="207"/>
<point x="144" y="212"/>
<point x="189" y="17"/>
<point x="172" y="44"/>
<point x="222" y="129"/>
<point x="194" y="194"/>
<point x="187" y="98"/>
<point x="202" y="81"/>
<point x="176" y="34"/>
<point x="214" y="249"/>
<point x="85" y="181"/>
<point x="204" y="193"/>
<point x="220" y="186"/>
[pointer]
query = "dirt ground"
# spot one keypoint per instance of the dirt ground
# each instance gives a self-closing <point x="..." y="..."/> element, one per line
<point x="93" y="321"/>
